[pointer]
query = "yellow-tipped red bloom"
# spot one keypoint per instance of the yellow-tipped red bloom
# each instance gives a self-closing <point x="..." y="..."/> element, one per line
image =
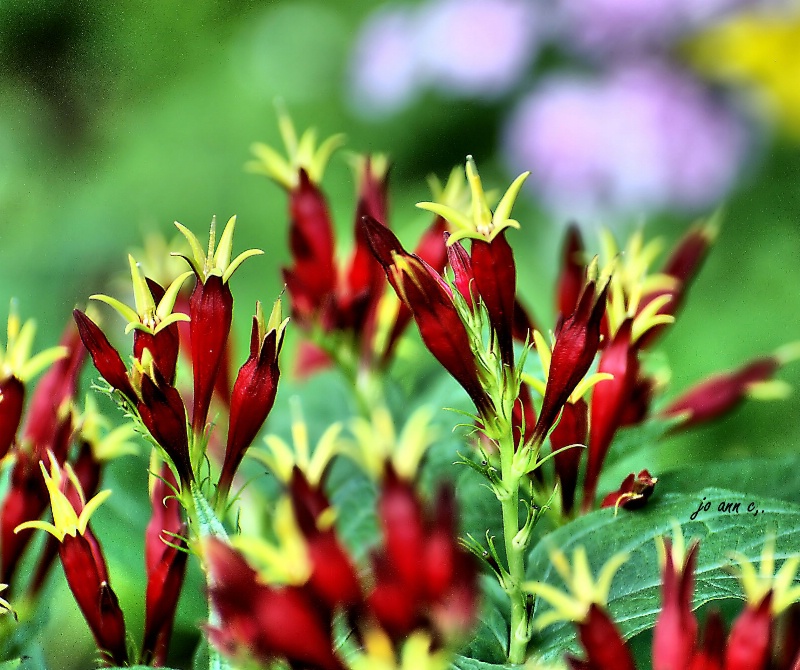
<point x="83" y="561"/>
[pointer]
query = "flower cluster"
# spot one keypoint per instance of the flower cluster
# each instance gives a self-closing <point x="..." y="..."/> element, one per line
<point x="764" y="635"/>
<point x="347" y="555"/>
<point x="418" y="601"/>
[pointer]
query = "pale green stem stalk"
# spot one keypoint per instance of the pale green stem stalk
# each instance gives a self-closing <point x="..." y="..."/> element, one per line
<point x="515" y="555"/>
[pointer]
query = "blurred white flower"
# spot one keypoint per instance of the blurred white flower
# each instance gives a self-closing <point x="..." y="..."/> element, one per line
<point x="643" y="138"/>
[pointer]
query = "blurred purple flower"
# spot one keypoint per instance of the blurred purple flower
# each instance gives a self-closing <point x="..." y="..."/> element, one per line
<point x="384" y="74"/>
<point x="476" y="48"/>
<point x="470" y="48"/>
<point x="617" y="27"/>
<point x="643" y="138"/>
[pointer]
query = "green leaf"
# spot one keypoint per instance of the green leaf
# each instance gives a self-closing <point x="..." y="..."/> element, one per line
<point x="767" y="477"/>
<point x="490" y="637"/>
<point x="634" y="600"/>
<point x="10" y="665"/>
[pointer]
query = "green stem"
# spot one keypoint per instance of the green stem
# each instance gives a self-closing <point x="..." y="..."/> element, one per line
<point x="515" y="555"/>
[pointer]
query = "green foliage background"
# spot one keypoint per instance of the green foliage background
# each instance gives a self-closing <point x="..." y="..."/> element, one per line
<point x="119" y="117"/>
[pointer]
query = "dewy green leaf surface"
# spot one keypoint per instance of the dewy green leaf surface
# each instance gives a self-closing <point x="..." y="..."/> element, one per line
<point x="634" y="600"/>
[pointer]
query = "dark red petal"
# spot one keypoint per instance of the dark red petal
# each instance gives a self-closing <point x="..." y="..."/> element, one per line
<point x="572" y="428"/>
<point x="570" y="283"/>
<point x="211" y="313"/>
<point x="460" y="262"/>
<point x="605" y="649"/>
<point x="609" y="399"/>
<point x="164" y="415"/>
<point x="577" y="341"/>
<point x="750" y="638"/>
<point x="675" y="632"/>
<point x="251" y="401"/>
<point x="87" y="579"/>
<point x="496" y="281"/>
<point x="12" y="400"/>
<point x="104" y="356"/>
<point x="164" y="584"/>
<point x="311" y="241"/>
<point x="269" y="623"/>
<point x="430" y="300"/>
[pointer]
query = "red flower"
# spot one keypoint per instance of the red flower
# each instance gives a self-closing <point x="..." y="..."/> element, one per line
<point x="423" y="578"/>
<point x="165" y="561"/>
<point x="633" y="493"/>
<point x="163" y="414"/>
<point x="333" y="578"/>
<point x="721" y="393"/>
<point x="609" y="400"/>
<point x="12" y="400"/>
<point x="573" y="270"/>
<point x="429" y="298"/>
<point x="577" y="341"/>
<point x="253" y="392"/>
<point x="496" y="281"/>
<point x="572" y="428"/>
<point x="675" y="634"/>
<point x="105" y="358"/>
<point x="210" y="312"/>
<point x="263" y="622"/>
<point x="83" y="561"/>
<point x="604" y="646"/>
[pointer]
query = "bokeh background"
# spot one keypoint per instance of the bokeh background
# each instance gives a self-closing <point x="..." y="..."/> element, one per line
<point x="119" y="117"/>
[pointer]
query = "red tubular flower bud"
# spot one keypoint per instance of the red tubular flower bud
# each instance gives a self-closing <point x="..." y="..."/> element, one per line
<point x="46" y="427"/>
<point x="422" y="576"/>
<point x="104" y="356"/>
<point x="461" y="263"/>
<point x="12" y="401"/>
<point x="572" y="428"/>
<point x="311" y="281"/>
<point x="164" y="415"/>
<point x="262" y="622"/>
<point x="26" y="500"/>
<point x="573" y="271"/>
<point x="211" y="313"/>
<point x="333" y="578"/>
<point x="609" y="400"/>
<point x="431" y="249"/>
<point x="356" y="305"/>
<point x="166" y="568"/>
<point x="252" y="399"/>
<point x="602" y="642"/>
<point x="496" y="281"/>
<point x="577" y="341"/>
<point x="720" y="393"/>
<point x="750" y="637"/>
<point x="675" y="632"/>
<point x="87" y="577"/>
<point x="429" y="298"/>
